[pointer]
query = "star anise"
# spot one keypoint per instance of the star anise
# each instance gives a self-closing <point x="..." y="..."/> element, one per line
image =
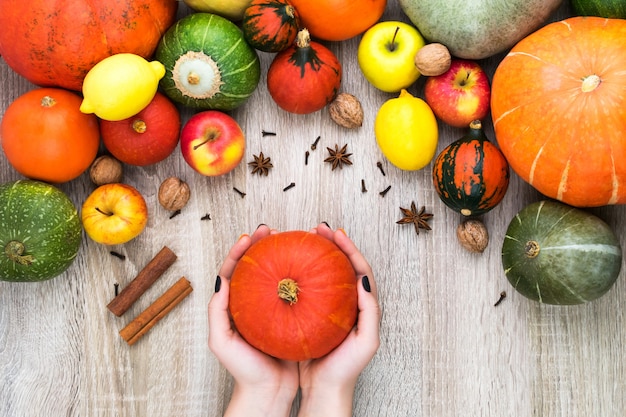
<point x="261" y="164"/>
<point x="339" y="157"/>
<point x="418" y="218"/>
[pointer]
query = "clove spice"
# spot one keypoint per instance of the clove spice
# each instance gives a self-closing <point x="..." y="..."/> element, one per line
<point x="175" y="213"/>
<point x="306" y="158"/>
<point x="314" y="144"/>
<point x="266" y="133"/>
<point x="380" y="167"/>
<point x="385" y="191"/>
<point x="502" y="297"/>
<point x="238" y="191"/>
<point x="118" y="255"/>
<point x="290" y="186"/>
<point x="206" y="217"/>
<point x="363" y="189"/>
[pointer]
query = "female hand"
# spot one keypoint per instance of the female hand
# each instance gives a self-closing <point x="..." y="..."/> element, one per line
<point x="328" y="383"/>
<point x="263" y="385"/>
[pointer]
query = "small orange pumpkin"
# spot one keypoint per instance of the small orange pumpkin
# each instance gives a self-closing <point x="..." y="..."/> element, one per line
<point x="293" y="295"/>
<point x="54" y="43"/>
<point x="338" y="20"/>
<point x="558" y="104"/>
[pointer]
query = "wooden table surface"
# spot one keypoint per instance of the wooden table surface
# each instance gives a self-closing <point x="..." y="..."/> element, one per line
<point x="445" y="349"/>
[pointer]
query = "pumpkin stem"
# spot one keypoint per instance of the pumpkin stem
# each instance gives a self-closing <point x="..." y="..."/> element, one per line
<point x="288" y="290"/>
<point x="303" y="39"/>
<point x="590" y="83"/>
<point x="48" y="101"/>
<point x="531" y="249"/>
<point x="139" y="126"/>
<point x="15" y="252"/>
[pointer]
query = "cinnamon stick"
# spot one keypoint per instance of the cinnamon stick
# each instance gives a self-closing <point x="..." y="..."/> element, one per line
<point x="156" y="311"/>
<point x="146" y="277"/>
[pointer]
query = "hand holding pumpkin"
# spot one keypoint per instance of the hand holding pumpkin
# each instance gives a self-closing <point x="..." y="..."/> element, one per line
<point x="263" y="385"/>
<point x="328" y="383"/>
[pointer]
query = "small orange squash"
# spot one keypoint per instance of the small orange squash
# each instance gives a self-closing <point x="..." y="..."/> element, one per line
<point x="54" y="43"/>
<point x="558" y="103"/>
<point x="293" y="295"/>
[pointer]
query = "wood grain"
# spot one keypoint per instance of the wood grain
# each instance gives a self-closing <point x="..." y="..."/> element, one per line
<point x="446" y="350"/>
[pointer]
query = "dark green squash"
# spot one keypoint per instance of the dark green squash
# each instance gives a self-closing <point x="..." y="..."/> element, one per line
<point x="615" y="9"/>
<point x="471" y="175"/>
<point x="40" y="231"/>
<point x="556" y="254"/>
<point x="270" y="25"/>
<point x="208" y="63"/>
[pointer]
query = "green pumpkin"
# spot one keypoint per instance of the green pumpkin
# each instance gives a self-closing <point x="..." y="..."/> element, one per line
<point x="601" y="8"/>
<point x="557" y="254"/>
<point x="209" y="64"/>
<point x="40" y="231"/>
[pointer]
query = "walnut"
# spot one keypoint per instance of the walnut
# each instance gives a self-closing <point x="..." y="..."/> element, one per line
<point x="473" y="235"/>
<point x="174" y="194"/>
<point x="433" y="59"/>
<point x="106" y="170"/>
<point x="346" y="111"/>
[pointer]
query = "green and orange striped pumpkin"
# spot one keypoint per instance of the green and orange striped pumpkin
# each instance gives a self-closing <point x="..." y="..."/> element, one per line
<point x="471" y="175"/>
<point x="270" y="25"/>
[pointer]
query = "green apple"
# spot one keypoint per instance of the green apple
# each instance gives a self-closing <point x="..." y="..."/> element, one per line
<point x="386" y="55"/>
<point x="230" y="9"/>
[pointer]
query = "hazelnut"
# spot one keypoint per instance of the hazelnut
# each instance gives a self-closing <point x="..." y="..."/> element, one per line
<point x="433" y="59"/>
<point x="346" y="111"/>
<point x="106" y="170"/>
<point x="473" y="235"/>
<point x="174" y="194"/>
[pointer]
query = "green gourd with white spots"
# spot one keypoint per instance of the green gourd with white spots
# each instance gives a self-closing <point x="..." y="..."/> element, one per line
<point x="40" y="231"/>
<point x="557" y="254"/>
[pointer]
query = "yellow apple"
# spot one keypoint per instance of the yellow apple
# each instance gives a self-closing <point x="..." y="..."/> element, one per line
<point x="114" y="214"/>
<point x="386" y="55"/>
<point x="230" y="9"/>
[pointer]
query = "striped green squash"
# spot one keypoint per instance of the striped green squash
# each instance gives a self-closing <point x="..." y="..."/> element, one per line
<point x="209" y="64"/>
<point x="556" y="254"/>
<point x="471" y="175"/>
<point x="40" y="231"/>
<point x="601" y="8"/>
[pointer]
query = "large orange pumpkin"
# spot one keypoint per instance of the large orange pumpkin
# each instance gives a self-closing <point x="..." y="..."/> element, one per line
<point x="558" y="104"/>
<point x="56" y="42"/>
<point x="293" y="295"/>
<point x="337" y="20"/>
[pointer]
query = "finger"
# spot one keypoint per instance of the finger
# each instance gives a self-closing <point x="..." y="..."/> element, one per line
<point x="359" y="263"/>
<point x="260" y="232"/>
<point x="324" y="230"/>
<point x="235" y="253"/>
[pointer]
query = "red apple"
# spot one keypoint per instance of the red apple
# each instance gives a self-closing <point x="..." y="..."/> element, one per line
<point x="146" y="138"/>
<point x="212" y="143"/>
<point x="459" y="95"/>
<point x="114" y="214"/>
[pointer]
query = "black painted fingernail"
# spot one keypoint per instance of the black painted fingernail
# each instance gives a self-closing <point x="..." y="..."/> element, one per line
<point x="218" y="283"/>
<point x="327" y="224"/>
<point x="366" y="284"/>
<point x="261" y="224"/>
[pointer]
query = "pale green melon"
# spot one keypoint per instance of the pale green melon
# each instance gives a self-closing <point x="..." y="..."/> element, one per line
<point x="476" y="29"/>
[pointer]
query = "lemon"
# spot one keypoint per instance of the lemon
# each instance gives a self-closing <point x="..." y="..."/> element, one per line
<point x="120" y="86"/>
<point x="406" y="131"/>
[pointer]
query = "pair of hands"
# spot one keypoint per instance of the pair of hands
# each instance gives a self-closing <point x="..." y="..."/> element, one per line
<point x="266" y="386"/>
